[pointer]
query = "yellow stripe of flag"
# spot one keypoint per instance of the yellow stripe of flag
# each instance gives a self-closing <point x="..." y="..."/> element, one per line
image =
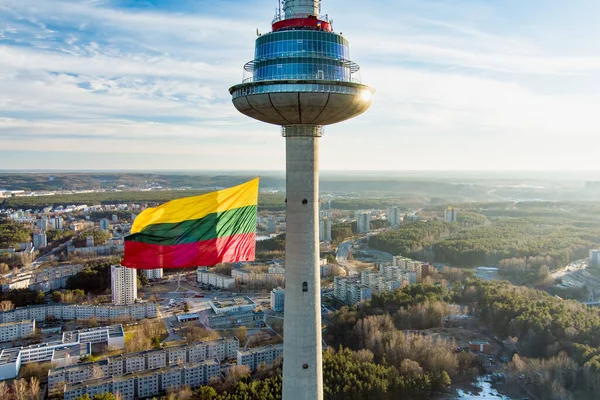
<point x="197" y="207"/>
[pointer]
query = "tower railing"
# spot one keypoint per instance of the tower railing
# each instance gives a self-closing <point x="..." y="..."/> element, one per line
<point x="300" y="77"/>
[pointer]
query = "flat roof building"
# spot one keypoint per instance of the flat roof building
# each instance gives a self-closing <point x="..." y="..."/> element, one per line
<point x="73" y="344"/>
<point x="229" y="319"/>
<point x="237" y="304"/>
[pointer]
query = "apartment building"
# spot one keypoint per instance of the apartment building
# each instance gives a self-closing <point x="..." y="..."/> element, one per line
<point x="216" y="280"/>
<point x="156" y="273"/>
<point x="226" y="320"/>
<point x="350" y="290"/>
<point x="73" y="345"/>
<point x="257" y="356"/>
<point x="67" y="312"/>
<point x="45" y="279"/>
<point x="220" y="349"/>
<point x="236" y="304"/>
<point x="277" y="299"/>
<point x="147" y="383"/>
<point x="16" y="330"/>
<point x="123" y="284"/>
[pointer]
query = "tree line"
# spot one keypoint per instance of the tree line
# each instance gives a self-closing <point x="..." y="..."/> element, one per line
<point x="558" y="242"/>
<point x="558" y="341"/>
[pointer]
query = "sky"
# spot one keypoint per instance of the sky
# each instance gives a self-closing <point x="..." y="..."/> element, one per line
<point x="460" y="85"/>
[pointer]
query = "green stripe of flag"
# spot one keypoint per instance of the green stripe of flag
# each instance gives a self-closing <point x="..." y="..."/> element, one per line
<point x="216" y="225"/>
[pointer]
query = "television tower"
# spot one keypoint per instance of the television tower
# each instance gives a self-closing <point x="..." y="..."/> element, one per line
<point x="302" y="79"/>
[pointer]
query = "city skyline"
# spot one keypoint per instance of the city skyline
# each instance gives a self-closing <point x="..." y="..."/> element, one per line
<point x="143" y="85"/>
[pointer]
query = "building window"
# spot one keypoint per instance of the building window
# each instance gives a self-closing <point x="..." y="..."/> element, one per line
<point x="304" y="287"/>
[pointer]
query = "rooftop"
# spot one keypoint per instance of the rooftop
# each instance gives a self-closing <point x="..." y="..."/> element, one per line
<point x="237" y="301"/>
<point x="9" y="356"/>
<point x="113" y="331"/>
<point x="24" y="322"/>
<point x="261" y="349"/>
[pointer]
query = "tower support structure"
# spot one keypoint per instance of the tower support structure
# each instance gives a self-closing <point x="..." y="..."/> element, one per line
<point x="302" y="350"/>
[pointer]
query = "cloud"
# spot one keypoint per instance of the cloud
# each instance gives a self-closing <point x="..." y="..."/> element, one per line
<point x="455" y="80"/>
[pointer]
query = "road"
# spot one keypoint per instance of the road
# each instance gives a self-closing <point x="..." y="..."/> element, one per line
<point x="343" y="251"/>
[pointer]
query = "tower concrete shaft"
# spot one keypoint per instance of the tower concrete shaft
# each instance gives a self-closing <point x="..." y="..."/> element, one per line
<point x="302" y="349"/>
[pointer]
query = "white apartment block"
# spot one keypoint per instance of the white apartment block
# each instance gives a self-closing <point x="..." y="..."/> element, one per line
<point x="450" y="215"/>
<point x="220" y="349"/>
<point x="147" y="383"/>
<point x="40" y="240"/>
<point x="277" y="299"/>
<point x="67" y="312"/>
<point x="594" y="259"/>
<point x="276" y="269"/>
<point x="363" y="222"/>
<point x="271" y="225"/>
<point x="399" y="274"/>
<point x="104" y="224"/>
<point x="257" y="356"/>
<point x="42" y="225"/>
<point x="350" y="290"/>
<point x="394" y="217"/>
<point x="16" y="330"/>
<point x="45" y="279"/>
<point x="248" y="277"/>
<point x="216" y="280"/>
<point x="112" y="335"/>
<point x="325" y="230"/>
<point x="73" y="345"/>
<point x="156" y="273"/>
<point x="56" y="223"/>
<point x="123" y="284"/>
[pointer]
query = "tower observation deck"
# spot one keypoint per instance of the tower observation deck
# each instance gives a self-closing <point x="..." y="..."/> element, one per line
<point x="302" y="79"/>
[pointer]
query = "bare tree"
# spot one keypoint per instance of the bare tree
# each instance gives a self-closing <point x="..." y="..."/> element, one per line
<point x="6" y="305"/>
<point x="196" y="334"/>
<point x="242" y="334"/>
<point x="20" y="389"/>
<point x="4" y="390"/>
<point x="4" y="268"/>
<point x="35" y="391"/>
<point x="234" y="374"/>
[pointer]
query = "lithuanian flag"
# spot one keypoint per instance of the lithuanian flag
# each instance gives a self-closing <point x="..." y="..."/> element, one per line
<point x="201" y="230"/>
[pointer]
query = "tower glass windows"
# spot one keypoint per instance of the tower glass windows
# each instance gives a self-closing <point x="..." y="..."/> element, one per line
<point x="298" y="54"/>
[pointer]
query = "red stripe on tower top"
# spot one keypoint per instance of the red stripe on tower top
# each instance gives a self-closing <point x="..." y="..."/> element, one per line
<point x="313" y="23"/>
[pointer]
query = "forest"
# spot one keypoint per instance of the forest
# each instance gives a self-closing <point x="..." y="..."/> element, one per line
<point x="494" y="233"/>
<point x="411" y="238"/>
<point x="561" y="337"/>
<point x="13" y="233"/>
